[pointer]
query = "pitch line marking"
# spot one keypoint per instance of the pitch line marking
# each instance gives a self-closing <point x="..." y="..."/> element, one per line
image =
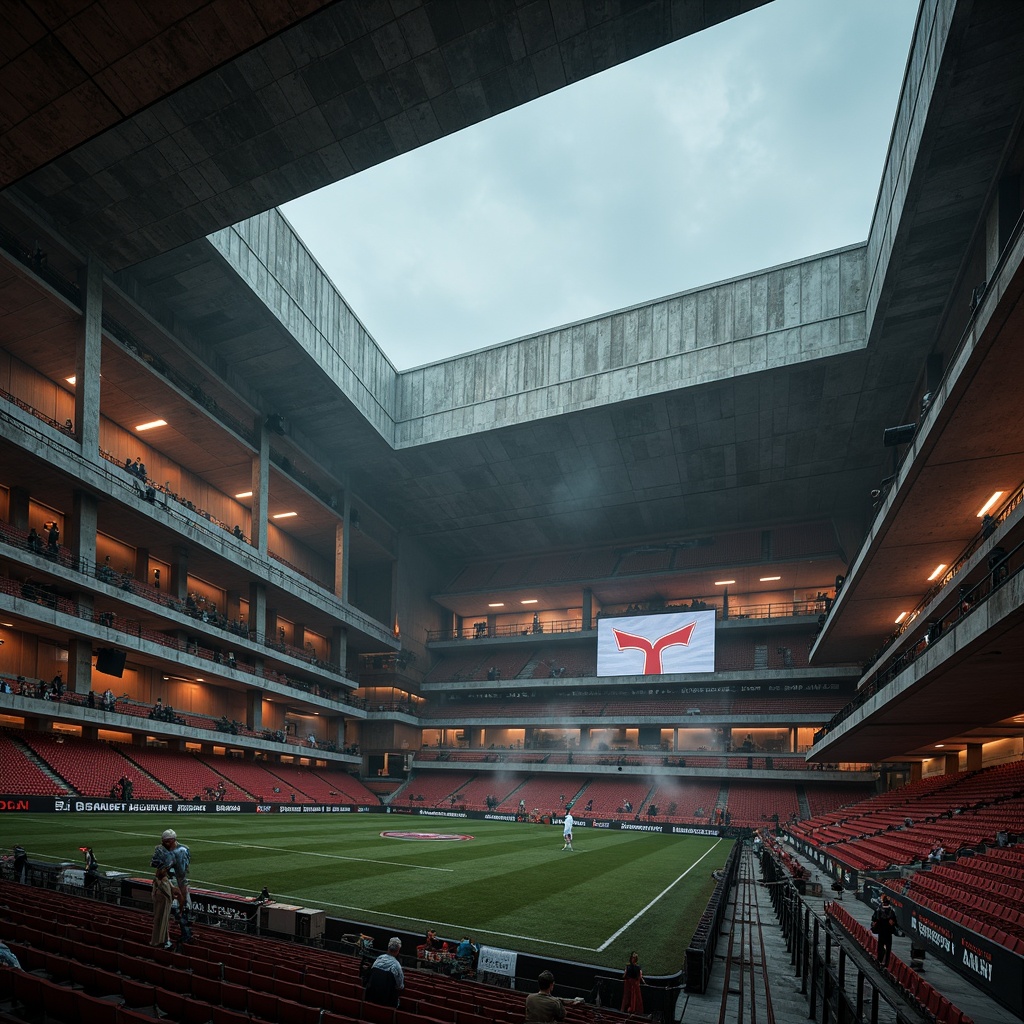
<point x="636" y="917"/>
<point x="299" y="853"/>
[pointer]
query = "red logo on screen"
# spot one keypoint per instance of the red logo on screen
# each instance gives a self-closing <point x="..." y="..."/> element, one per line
<point x="652" y="648"/>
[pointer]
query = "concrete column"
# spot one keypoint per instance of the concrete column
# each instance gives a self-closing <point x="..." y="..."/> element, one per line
<point x="299" y="635"/>
<point x="340" y="561"/>
<point x="260" y="487"/>
<point x="338" y="735"/>
<point x="82" y="528"/>
<point x="458" y="627"/>
<point x="257" y="608"/>
<point x="87" y="360"/>
<point x="141" y="567"/>
<point x="339" y="648"/>
<point x="394" y="597"/>
<point x="179" y="572"/>
<point x="18" y="508"/>
<point x="233" y="608"/>
<point x="270" y="629"/>
<point x="973" y="757"/>
<point x="346" y="527"/>
<point x="92" y="732"/>
<point x="951" y="764"/>
<point x="588" y="608"/>
<point x="254" y="709"/>
<point x="79" y="666"/>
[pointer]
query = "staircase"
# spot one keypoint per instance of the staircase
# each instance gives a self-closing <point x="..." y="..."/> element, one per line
<point x="30" y="755"/>
<point x="805" y="807"/>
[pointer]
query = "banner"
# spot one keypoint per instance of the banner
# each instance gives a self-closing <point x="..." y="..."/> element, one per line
<point x="991" y="967"/>
<point x="497" y="961"/>
<point x="652" y="645"/>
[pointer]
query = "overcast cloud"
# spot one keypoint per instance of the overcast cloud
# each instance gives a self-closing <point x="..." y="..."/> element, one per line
<point x="754" y="143"/>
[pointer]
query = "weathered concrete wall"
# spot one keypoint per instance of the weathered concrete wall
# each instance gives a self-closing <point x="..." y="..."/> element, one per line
<point x="270" y="257"/>
<point x="930" y="33"/>
<point x="789" y="314"/>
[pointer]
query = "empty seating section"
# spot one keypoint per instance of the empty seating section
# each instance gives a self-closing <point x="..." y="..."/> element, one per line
<point x="685" y="802"/>
<point x="902" y="826"/>
<point x="474" y="794"/>
<point x="824" y="798"/>
<point x="251" y="780"/>
<point x="92" y="767"/>
<point x="326" y="787"/>
<point x="984" y="893"/>
<point x="89" y="962"/>
<point x="431" y="789"/>
<point x="547" y="794"/>
<point x="184" y="774"/>
<point x="752" y="805"/>
<point x="22" y="776"/>
<point x="610" y="796"/>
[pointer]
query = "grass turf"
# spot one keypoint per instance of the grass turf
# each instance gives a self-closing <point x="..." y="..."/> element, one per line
<point x="510" y="886"/>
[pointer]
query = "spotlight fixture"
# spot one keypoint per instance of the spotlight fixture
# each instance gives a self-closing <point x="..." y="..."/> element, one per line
<point x="990" y="504"/>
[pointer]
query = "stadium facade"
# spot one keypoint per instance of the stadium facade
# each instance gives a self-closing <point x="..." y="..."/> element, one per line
<point x="262" y="524"/>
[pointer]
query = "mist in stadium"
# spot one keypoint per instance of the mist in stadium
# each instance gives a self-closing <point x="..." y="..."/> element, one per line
<point x="663" y="665"/>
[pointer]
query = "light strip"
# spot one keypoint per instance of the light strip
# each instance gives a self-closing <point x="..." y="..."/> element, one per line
<point x="244" y="494"/>
<point x="284" y="515"/>
<point x="499" y="604"/>
<point x="769" y="579"/>
<point x="151" y="424"/>
<point x="939" y="570"/>
<point x="530" y="600"/>
<point x="990" y="504"/>
<point x="900" y="617"/>
<point x="723" y="583"/>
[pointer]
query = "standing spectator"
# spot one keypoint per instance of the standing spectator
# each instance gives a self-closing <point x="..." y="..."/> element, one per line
<point x="20" y="863"/>
<point x="163" y="896"/>
<point x="386" y="978"/>
<point x="632" y="979"/>
<point x="92" y="871"/>
<point x="883" y="924"/>
<point x="176" y="858"/>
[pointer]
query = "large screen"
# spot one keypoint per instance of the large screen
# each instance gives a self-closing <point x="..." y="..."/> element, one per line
<point x="654" y="645"/>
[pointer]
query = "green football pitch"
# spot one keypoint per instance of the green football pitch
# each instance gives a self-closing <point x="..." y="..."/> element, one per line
<point x="509" y="885"/>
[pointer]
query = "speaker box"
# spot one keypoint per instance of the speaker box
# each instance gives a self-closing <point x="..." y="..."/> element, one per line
<point x="110" y="661"/>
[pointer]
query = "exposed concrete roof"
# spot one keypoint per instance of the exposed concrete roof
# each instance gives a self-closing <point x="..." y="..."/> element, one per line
<point x="348" y="87"/>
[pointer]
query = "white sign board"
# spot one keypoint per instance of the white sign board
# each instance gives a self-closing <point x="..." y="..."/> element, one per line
<point x="654" y="645"/>
<point x="497" y="961"/>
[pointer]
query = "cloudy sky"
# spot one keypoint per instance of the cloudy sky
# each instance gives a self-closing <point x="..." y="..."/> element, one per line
<point x="756" y="142"/>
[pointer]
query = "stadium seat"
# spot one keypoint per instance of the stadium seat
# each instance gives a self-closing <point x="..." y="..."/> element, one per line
<point x="96" y="1010"/>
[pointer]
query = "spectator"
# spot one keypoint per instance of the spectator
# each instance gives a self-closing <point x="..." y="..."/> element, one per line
<point x="883" y="924"/>
<point x="542" y="1006"/>
<point x="7" y="958"/>
<point x="386" y="978"/>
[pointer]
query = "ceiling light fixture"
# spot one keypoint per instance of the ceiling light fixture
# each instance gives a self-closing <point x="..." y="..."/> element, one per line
<point x="939" y="745"/>
<point x="284" y="515"/>
<point x="151" y="424"/>
<point x="770" y="579"/>
<point x="900" y="617"/>
<point x="497" y="604"/>
<point x="72" y="379"/>
<point x="244" y="494"/>
<point x="938" y="571"/>
<point x="990" y="504"/>
<point x="531" y="600"/>
<point x="723" y="583"/>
